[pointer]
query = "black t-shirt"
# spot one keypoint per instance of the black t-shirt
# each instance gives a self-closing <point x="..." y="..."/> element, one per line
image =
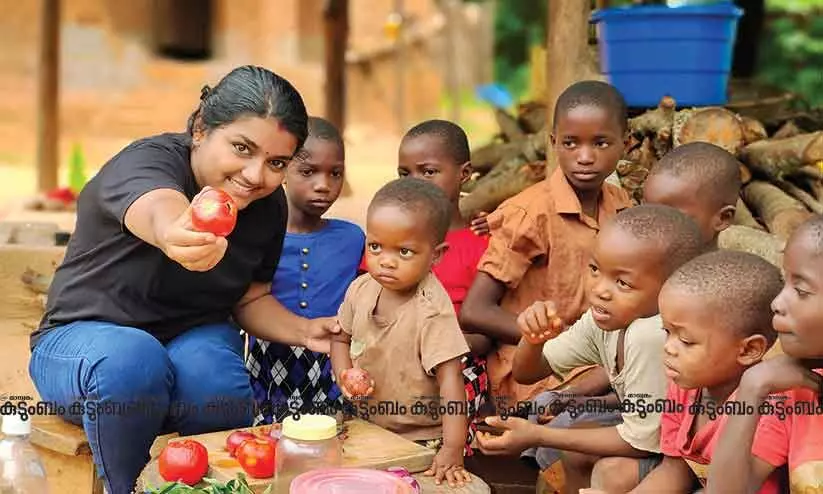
<point x="109" y="274"/>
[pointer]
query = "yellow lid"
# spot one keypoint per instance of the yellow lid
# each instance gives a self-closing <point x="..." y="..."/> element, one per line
<point x="310" y="427"/>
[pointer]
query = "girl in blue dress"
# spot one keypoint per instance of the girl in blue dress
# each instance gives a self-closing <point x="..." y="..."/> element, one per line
<point x="320" y="259"/>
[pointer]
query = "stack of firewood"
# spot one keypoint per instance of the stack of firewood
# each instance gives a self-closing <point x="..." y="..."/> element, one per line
<point x="781" y="160"/>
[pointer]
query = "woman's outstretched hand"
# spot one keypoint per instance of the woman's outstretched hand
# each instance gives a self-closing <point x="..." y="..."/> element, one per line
<point x="195" y="251"/>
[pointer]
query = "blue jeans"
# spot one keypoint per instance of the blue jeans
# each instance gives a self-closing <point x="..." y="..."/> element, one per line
<point x="125" y="388"/>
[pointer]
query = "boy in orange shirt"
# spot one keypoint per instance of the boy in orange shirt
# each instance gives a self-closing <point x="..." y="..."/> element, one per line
<point x="541" y="239"/>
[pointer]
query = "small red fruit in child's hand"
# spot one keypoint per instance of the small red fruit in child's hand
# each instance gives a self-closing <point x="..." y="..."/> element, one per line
<point x="235" y="439"/>
<point x="256" y="457"/>
<point x="185" y="461"/>
<point x="214" y="211"/>
<point x="357" y="382"/>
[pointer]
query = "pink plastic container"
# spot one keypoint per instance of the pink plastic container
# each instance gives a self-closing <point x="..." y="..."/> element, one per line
<point x="348" y="481"/>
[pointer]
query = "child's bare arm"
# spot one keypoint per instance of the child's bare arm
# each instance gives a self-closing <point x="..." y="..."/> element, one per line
<point x="478" y="344"/>
<point x="481" y="312"/>
<point x="339" y="355"/>
<point x="537" y="324"/>
<point x="448" y="463"/>
<point x="733" y="467"/>
<point x="672" y="475"/>
<point x="529" y="365"/>
<point x="455" y="426"/>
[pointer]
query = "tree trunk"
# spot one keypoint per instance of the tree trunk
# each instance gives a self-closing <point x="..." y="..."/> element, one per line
<point x="776" y="158"/>
<point x="781" y="213"/>
<point x="336" y="24"/>
<point x="48" y="97"/>
<point x="568" y="59"/>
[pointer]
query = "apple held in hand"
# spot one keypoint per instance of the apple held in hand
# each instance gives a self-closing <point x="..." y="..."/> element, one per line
<point x="357" y="382"/>
<point x="214" y="211"/>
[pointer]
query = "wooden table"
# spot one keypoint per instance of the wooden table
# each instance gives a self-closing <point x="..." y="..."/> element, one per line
<point x="367" y="446"/>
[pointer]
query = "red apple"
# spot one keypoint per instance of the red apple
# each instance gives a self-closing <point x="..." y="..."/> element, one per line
<point x="235" y="439"/>
<point x="214" y="211"/>
<point x="357" y="382"/>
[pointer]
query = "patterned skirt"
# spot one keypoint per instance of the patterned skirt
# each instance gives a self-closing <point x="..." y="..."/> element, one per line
<point x="476" y="381"/>
<point x="286" y="380"/>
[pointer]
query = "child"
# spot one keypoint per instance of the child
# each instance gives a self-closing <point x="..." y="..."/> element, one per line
<point x="401" y="326"/>
<point x="438" y="151"/>
<point x="790" y="431"/>
<point x="701" y="180"/>
<point x="541" y="239"/>
<point x="632" y="258"/>
<point x="319" y="260"/>
<point x="715" y="309"/>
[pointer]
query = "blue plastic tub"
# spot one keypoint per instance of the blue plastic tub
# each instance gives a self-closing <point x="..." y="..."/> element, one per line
<point x="648" y="52"/>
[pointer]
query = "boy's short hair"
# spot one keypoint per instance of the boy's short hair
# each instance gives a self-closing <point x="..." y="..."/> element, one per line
<point x="674" y="232"/>
<point x="322" y="129"/>
<point x="737" y="287"/>
<point x="418" y="196"/>
<point x="712" y="168"/>
<point x="593" y="93"/>
<point x="453" y="138"/>
<point x="813" y="227"/>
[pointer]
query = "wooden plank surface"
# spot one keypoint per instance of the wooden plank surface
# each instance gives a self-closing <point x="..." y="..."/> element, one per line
<point x="367" y="446"/>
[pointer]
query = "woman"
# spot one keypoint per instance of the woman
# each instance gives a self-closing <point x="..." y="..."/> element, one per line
<point x="139" y="324"/>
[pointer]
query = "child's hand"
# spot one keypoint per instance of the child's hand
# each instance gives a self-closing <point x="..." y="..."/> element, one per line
<point x="480" y="224"/>
<point x="519" y="435"/>
<point x="448" y="465"/>
<point x="589" y="490"/>
<point x="355" y="383"/>
<point x="780" y="374"/>
<point x="539" y="323"/>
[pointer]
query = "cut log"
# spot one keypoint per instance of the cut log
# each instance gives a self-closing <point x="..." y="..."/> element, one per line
<point x="801" y="195"/>
<point x="503" y="182"/>
<point x="743" y="216"/>
<point x="753" y="130"/>
<point x="532" y="116"/>
<point x="745" y="174"/>
<point x="753" y="241"/>
<point x="531" y="147"/>
<point x="778" y="157"/>
<point x="816" y="186"/>
<point x="487" y="157"/>
<point x="812" y="172"/>
<point x="509" y="126"/>
<point x="658" y="124"/>
<point x="781" y="213"/>
<point x="717" y="126"/>
<point x="788" y="129"/>
<point x="634" y="170"/>
<point x="653" y="121"/>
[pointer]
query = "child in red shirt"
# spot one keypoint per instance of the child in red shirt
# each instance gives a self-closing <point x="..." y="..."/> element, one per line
<point x="438" y="151"/>
<point x="715" y="309"/>
<point x="790" y="431"/>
